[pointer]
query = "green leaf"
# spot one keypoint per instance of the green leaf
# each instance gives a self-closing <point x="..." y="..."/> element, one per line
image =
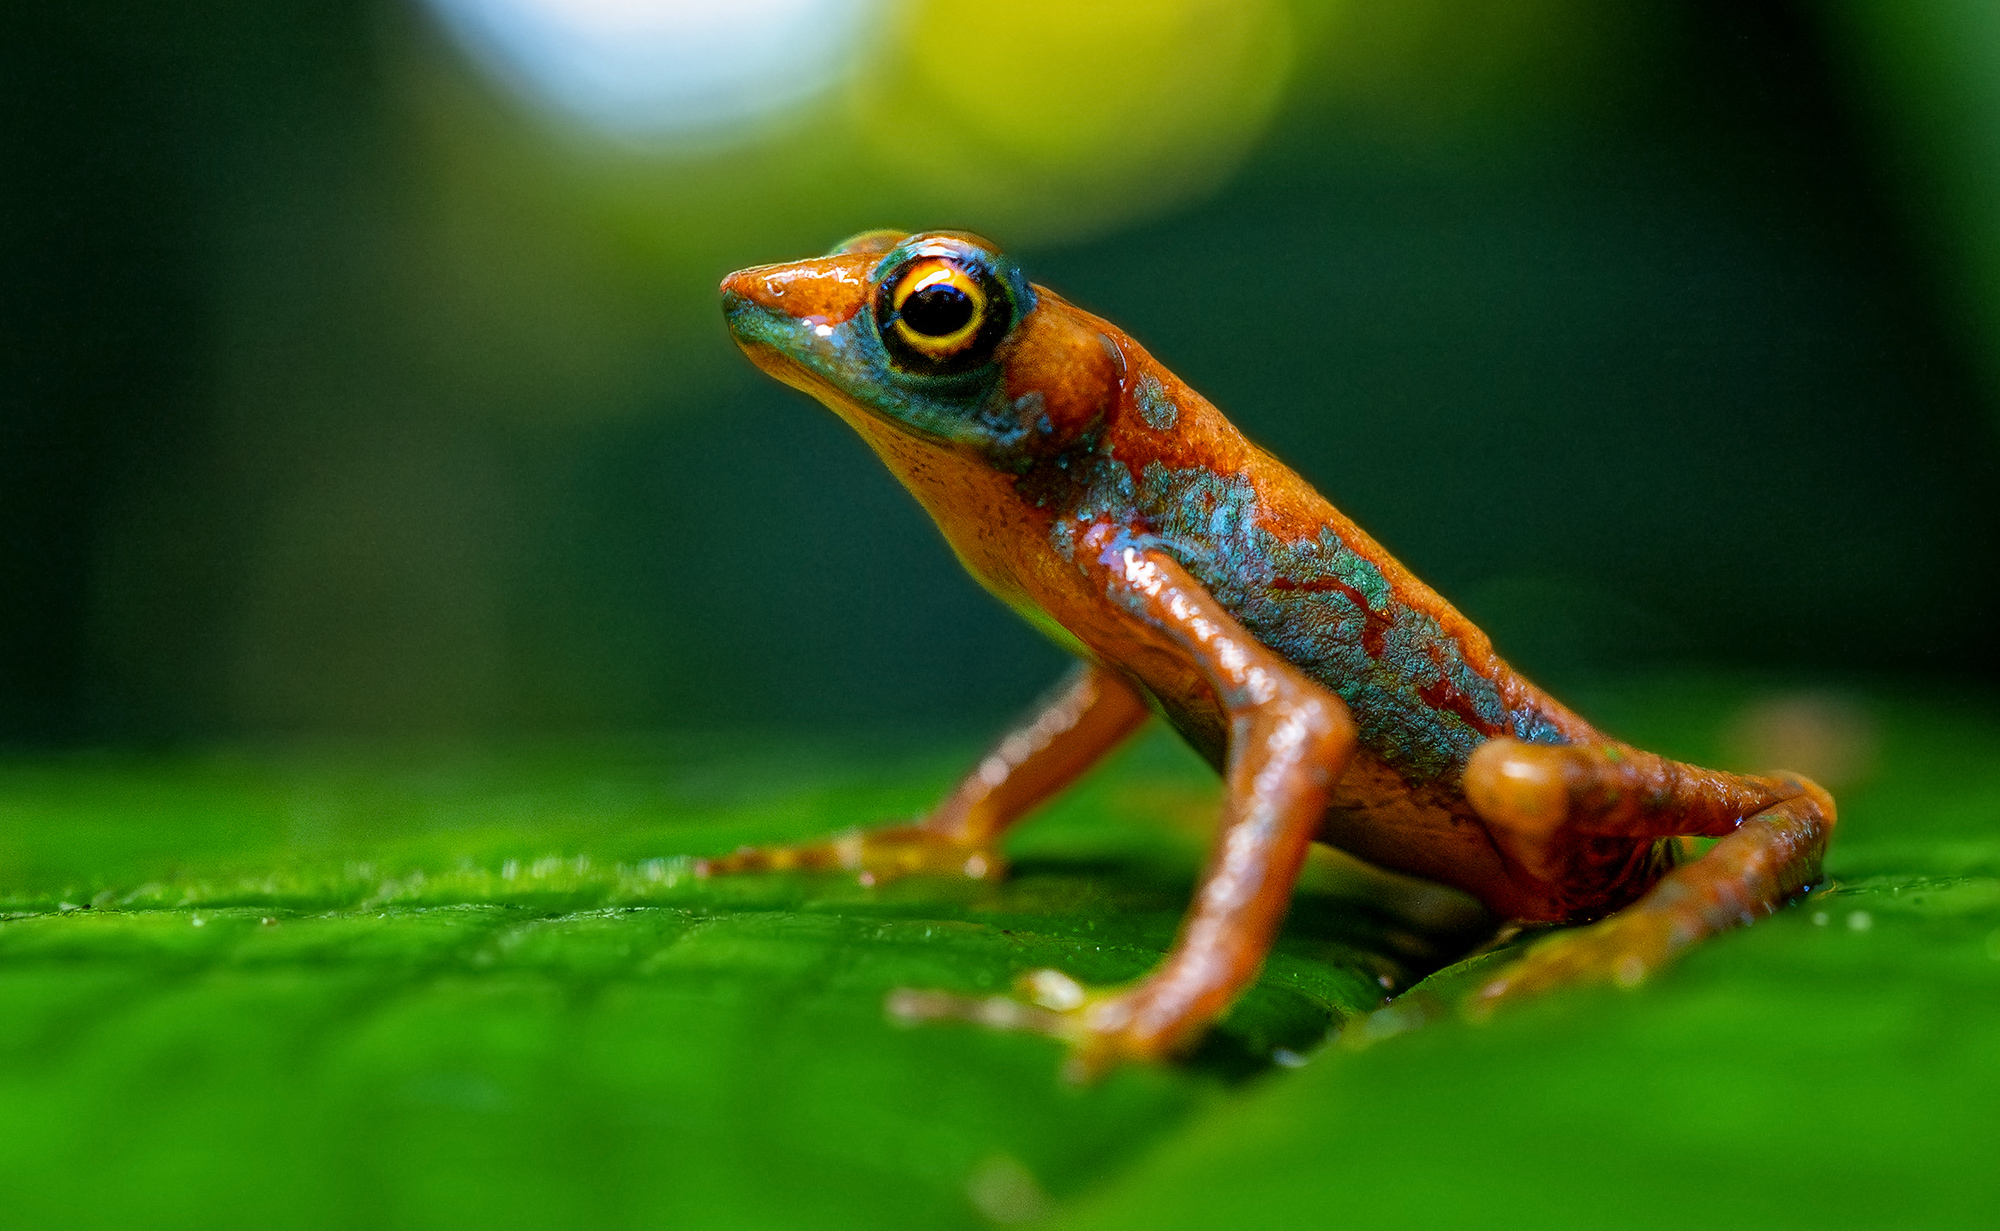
<point x="1835" y="1065"/>
<point x="339" y="990"/>
<point x="361" y="987"/>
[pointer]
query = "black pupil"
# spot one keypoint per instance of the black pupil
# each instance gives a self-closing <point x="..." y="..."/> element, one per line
<point x="937" y="310"/>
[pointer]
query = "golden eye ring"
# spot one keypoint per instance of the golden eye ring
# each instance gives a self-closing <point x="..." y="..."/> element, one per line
<point x="939" y="308"/>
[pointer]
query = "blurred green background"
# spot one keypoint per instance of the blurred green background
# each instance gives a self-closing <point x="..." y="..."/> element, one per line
<point x="401" y="574"/>
<point x="348" y="388"/>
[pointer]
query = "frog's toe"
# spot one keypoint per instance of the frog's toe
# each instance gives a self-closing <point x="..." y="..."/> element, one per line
<point x="1094" y="1022"/>
<point x="809" y="856"/>
<point x="915" y="1006"/>
<point x="875" y="856"/>
<point x="1624" y="950"/>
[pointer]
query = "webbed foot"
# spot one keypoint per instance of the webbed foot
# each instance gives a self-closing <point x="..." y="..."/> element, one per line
<point x="875" y="856"/>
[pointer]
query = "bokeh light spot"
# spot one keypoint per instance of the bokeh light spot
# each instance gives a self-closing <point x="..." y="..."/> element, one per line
<point x="1042" y="116"/>
<point x="662" y="69"/>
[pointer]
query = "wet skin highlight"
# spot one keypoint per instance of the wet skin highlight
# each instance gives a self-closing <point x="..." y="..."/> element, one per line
<point x="1197" y="577"/>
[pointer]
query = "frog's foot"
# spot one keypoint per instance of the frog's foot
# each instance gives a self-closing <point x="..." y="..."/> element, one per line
<point x="1544" y="804"/>
<point x="1771" y="857"/>
<point x="875" y="856"/>
<point x="1101" y="1025"/>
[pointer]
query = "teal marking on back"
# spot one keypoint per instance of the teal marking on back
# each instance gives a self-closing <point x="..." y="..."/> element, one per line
<point x="1327" y="609"/>
<point x="1155" y="407"/>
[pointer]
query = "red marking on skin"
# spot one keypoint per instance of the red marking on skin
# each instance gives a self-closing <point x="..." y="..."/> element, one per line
<point x="1320" y="584"/>
<point x="1374" y="627"/>
<point x="1442" y="694"/>
<point x="1374" y="633"/>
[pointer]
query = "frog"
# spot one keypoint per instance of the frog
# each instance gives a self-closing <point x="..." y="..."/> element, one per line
<point x="1195" y="577"/>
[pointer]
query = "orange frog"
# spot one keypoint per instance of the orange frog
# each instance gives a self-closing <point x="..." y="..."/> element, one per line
<point x="1198" y="578"/>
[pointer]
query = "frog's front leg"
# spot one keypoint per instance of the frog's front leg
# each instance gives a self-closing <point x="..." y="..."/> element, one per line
<point x="1290" y="739"/>
<point x="1543" y="803"/>
<point x="1085" y="716"/>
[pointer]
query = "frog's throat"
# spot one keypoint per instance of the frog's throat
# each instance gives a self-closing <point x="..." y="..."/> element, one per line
<point x="914" y="456"/>
<point x="880" y="430"/>
<point x="954" y="483"/>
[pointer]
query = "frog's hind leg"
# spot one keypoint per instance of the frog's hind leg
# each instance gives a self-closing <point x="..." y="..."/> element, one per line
<point x="1081" y="719"/>
<point x="1544" y="803"/>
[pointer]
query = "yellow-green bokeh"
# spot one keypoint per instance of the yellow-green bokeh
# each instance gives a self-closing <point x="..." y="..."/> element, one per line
<point x="1045" y="118"/>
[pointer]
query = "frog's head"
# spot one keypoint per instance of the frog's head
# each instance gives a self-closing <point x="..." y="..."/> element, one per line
<point x="937" y="337"/>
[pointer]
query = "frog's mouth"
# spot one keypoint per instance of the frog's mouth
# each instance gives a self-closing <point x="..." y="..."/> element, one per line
<point x="804" y="324"/>
<point x="793" y="319"/>
<point x="779" y="314"/>
<point x="777" y="342"/>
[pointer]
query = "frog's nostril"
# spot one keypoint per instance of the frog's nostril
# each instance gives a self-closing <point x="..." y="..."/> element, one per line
<point x="752" y="287"/>
<point x="741" y="300"/>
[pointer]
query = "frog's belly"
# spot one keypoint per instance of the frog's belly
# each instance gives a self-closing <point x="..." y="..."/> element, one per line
<point x="1425" y="831"/>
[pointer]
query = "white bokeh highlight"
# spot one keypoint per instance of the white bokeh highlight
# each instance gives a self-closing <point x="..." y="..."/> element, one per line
<point x="663" y="69"/>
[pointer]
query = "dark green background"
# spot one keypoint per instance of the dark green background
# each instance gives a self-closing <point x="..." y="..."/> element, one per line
<point x="401" y="575"/>
<point x="1663" y="361"/>
<point x="338" y="987"/>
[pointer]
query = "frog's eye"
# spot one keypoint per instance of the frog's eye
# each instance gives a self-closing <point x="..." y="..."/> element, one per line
<point x="939" y="317"/>
<point x="938" y="307"/>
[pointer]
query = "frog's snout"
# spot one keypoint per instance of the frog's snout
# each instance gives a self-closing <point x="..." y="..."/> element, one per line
<point x="781" y="315"/>
<point x="750" y="290"/>
<point x="825" y="291"/>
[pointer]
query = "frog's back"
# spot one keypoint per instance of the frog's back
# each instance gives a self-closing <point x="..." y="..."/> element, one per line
<point x="1423" y="683"/>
